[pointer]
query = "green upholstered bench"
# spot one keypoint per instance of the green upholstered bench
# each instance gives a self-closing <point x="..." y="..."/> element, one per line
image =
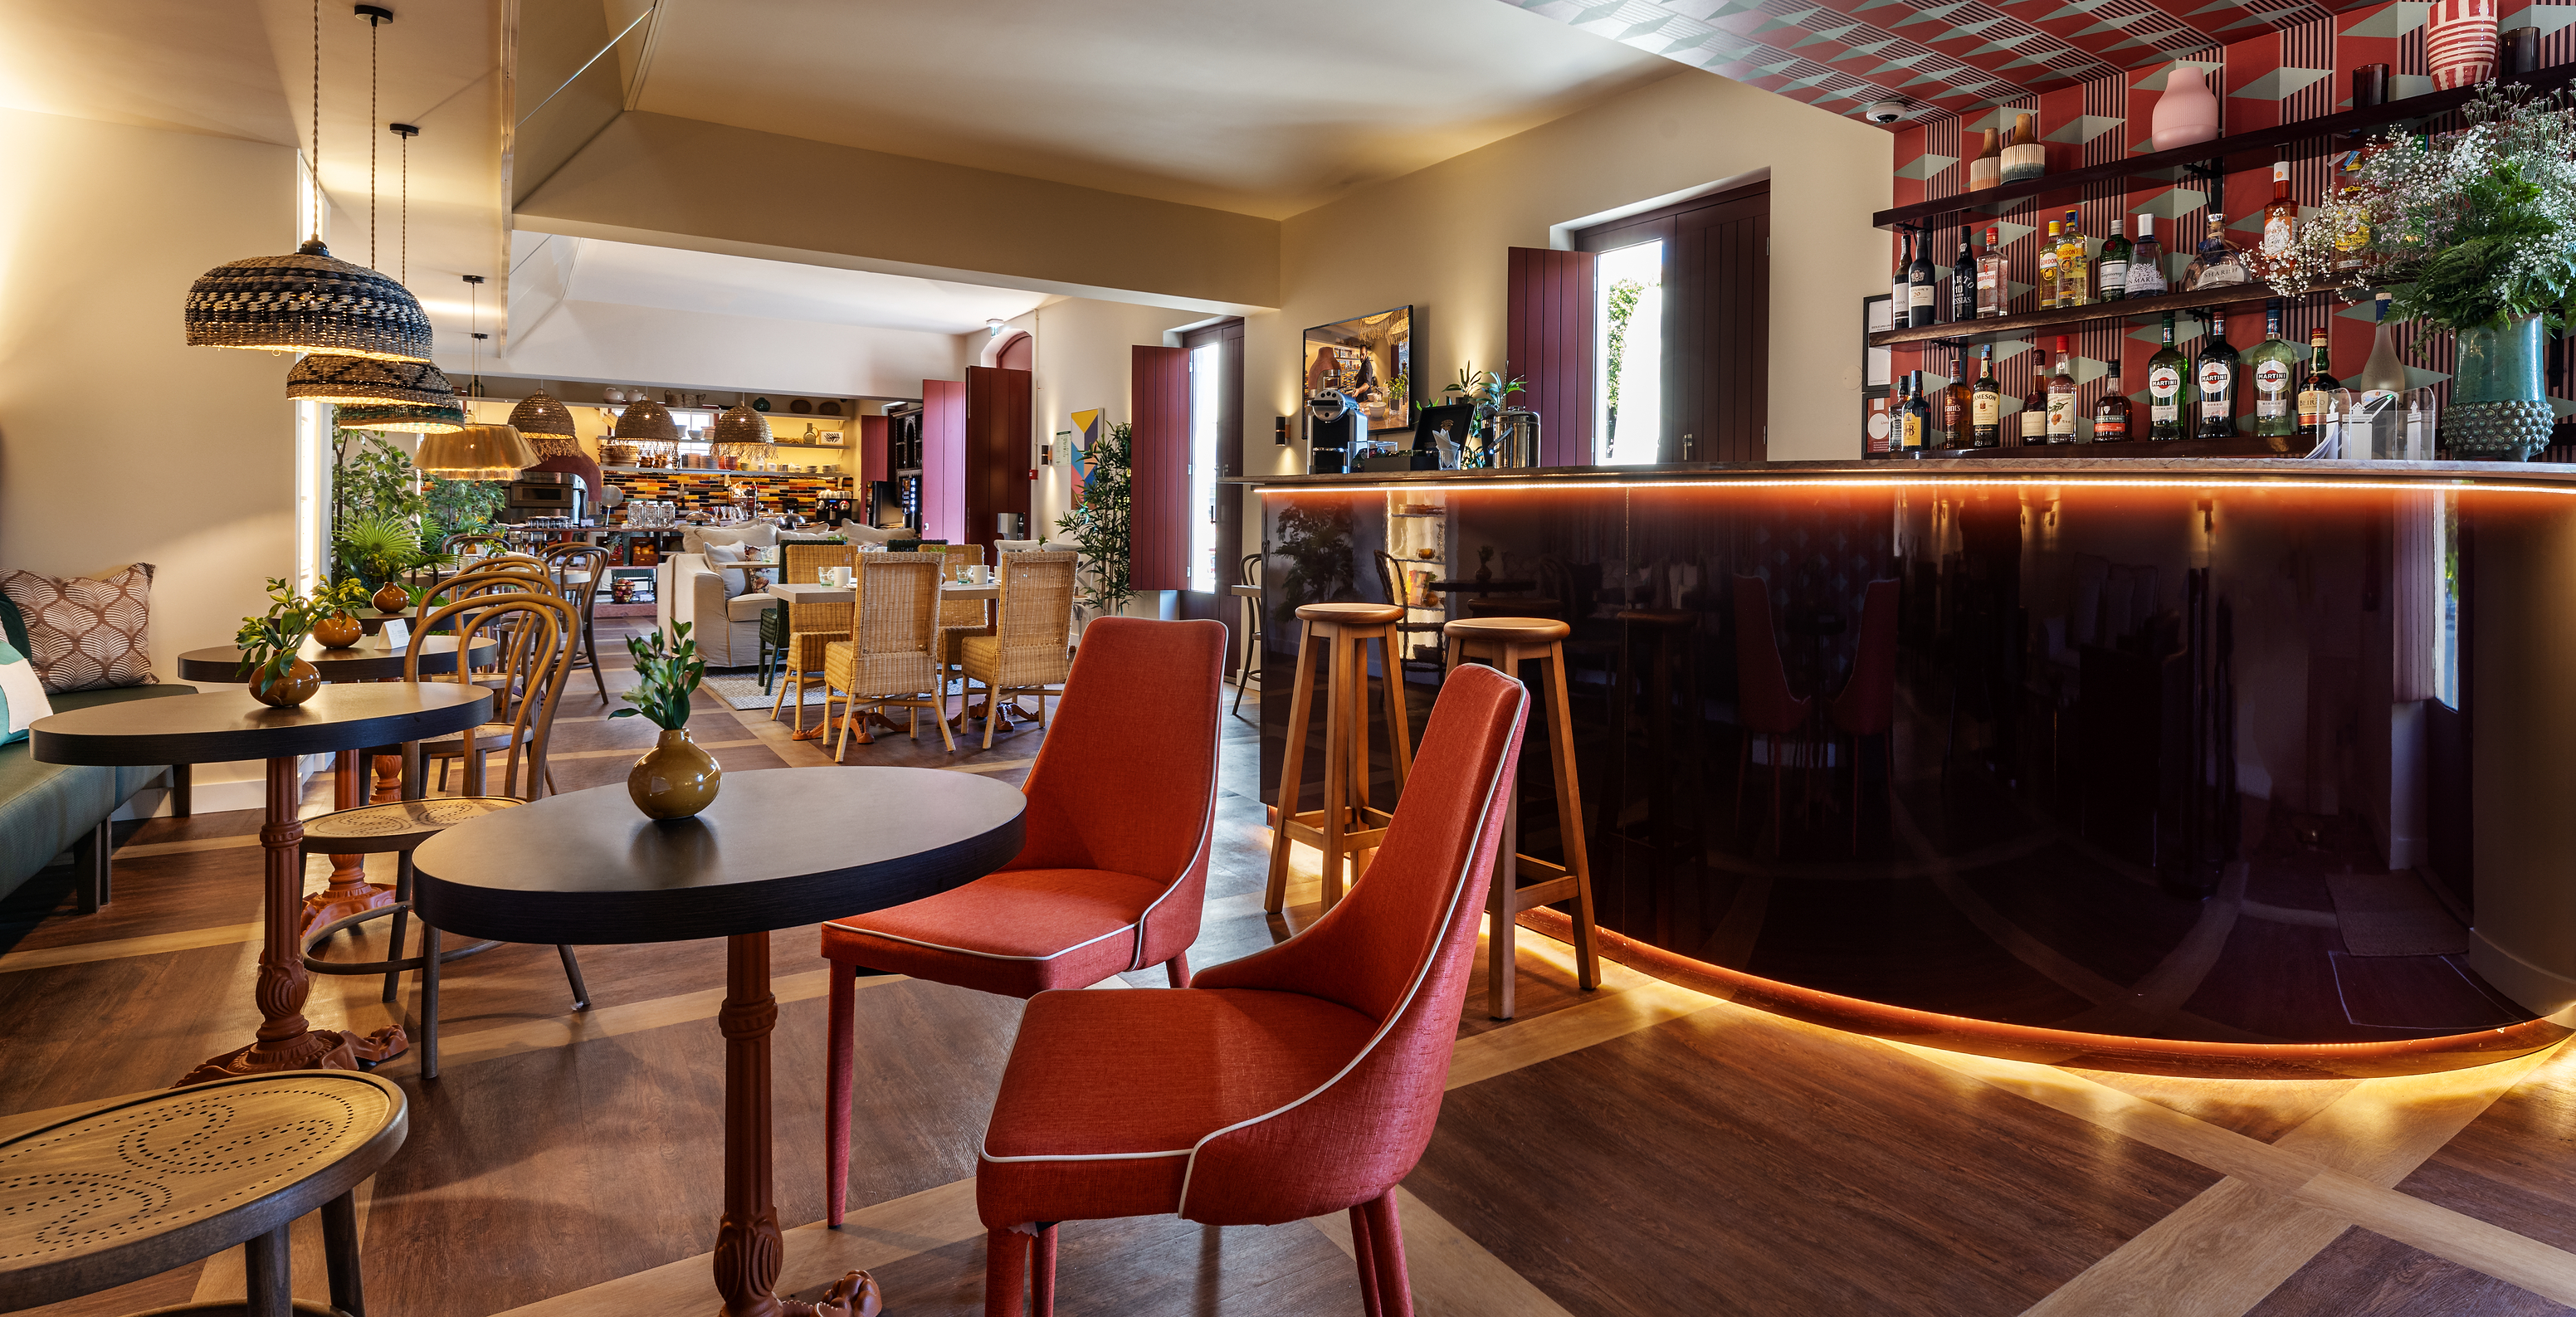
<point x="46" y="809"/>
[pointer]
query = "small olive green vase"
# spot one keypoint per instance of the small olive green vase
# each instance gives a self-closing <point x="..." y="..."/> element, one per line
<point x="675" y="779"/>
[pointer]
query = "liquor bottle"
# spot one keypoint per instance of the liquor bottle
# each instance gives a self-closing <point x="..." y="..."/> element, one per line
<point x="1922" y="286"/>
<point x="2382" y="373"/>
<point x="2114" y="282"/>
<point x="1958" y="403"/>
<point x="1963" y="281"/>
<point x="2168" y="389"/>
<point x="2024" y="157"/>
<point x="2353" y="234"/>
<point x="2214" y="379"/>
<point x="1900" y="289"/>
<point x="2280" y="221"/>
<point x="1986" y="404"/>
<point x="2072" y="276"/>
<point x="1880" y="429"/>
<point x="2061" y="397"/>
<point x="1917" y="427"/>
<point x="2034" y="409"/>
<point x="1994" y="280"/>
<point x="2219" y="264"/>
<point x="2048" y="270"/>
<point x="1987" y="169"/>
<point x="2147" y="261"/>
<point x="2273" y="367"/>
<point x="2316" y="395"/>
<point x="2111" y="413"/>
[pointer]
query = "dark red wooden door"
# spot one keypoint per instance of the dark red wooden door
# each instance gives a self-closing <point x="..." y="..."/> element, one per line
<point x="1717" y="359"/>
<point x="1158" y="517"/>
<point x="872" y="454"/>
<point x="1550" y="339"/>
<point x="943" y="460"/>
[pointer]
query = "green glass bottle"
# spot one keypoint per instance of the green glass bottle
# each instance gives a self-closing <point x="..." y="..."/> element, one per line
<point x="2272" y="373"/>
<point x="2115" y="264"/>
<point x="2168" y="389"/>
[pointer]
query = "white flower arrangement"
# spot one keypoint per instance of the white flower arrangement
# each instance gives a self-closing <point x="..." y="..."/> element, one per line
<point x="2462" y="229"/>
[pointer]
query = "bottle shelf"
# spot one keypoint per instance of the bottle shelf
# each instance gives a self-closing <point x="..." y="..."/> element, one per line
<point x="2240" y="446"/>
<point x="2231" y="153"/>
<point x="2067" y="319"/>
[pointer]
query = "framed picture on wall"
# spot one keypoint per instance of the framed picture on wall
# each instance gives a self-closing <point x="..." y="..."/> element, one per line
<point x="1370" y="360"/>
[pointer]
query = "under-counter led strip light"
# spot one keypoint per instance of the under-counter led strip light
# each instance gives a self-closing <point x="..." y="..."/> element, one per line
<point x="1918" y="482"/>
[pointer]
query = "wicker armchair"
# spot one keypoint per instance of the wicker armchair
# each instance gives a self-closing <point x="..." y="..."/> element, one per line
<point x="810" y="628"/>
<point x="891" y="656"/>
<point x="1029" y="651"/>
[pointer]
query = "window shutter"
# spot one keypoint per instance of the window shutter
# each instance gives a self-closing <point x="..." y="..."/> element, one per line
<point x="1550" y="340"/>
<point x="1158" y="514"/>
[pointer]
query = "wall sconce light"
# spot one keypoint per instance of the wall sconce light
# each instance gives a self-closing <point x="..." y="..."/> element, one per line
<point x="1279" y="431"/>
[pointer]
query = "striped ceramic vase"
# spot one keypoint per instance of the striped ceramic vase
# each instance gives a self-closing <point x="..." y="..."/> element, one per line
<point x="2460" y="42"/>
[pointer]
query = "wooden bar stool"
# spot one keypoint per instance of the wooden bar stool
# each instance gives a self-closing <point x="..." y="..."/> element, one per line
<point x="1506" y="643"/>
<point x="1347" y="825"/>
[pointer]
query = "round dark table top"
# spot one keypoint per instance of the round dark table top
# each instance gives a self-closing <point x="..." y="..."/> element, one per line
<point x="1495" y="586"/>
<point x="779" y="847"/>
<point x="146" y="1183"/>
<point x="216" y="726"/>
<point x="437" y="658"/>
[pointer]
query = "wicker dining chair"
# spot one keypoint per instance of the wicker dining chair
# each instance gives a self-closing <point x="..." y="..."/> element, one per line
<point x="1031" y="649"/>
<point x="810" y="627"/>
<point x="536" y="665"/>
<point x="958" y="619"/>
<point x="891" y="658"/>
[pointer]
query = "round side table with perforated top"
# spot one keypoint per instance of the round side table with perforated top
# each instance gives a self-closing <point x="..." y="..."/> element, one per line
<point x="143" y="1184"/>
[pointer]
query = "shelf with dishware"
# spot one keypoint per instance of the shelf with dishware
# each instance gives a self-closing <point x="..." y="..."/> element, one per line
<point x="2069" y="319"/>
<point x="2255" y="148"/>
<point x="829" y="477"/>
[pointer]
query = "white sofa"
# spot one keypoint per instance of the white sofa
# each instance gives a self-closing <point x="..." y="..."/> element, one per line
<point x="691" y="591"/>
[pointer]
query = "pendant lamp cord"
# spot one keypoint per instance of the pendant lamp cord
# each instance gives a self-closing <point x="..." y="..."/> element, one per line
<point x="373" y="133"/>
<point x="313" y="167"/>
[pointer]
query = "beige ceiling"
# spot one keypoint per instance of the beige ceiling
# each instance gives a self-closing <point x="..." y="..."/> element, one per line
<point x="1260" y="108"/>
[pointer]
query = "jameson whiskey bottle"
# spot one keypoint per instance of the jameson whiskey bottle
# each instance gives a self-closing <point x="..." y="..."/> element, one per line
<point x="1986" y="404"/>
<point x="2034" y="409"/>
<point x="2061" y="397"/>
<point x="2111" y="414"/>
<point x="1958" y="402"/>
<point x="2115" y="265"/>
<point x="1915" y="429"/>
<point x="2273" y="368"/>
<point x="2316" y="395"/>
<point x="2214" y="379"/>
<point x="2168" y="374"/>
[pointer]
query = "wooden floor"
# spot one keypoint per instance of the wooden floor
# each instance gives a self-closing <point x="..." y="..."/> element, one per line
<point x="1642" y="1149"/>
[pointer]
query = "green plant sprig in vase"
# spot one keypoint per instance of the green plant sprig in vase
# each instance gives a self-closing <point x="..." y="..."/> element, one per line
<point x="676" y="778"/>
<point x="268" y="642"/>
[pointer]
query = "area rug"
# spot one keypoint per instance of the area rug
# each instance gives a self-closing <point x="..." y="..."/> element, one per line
<point x="2394" y="914"/>
<point x="745" y="692"/>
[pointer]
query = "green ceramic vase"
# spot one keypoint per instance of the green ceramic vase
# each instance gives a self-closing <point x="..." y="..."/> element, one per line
<point x="2498" y="412"/>
<point x="675" y="779"/>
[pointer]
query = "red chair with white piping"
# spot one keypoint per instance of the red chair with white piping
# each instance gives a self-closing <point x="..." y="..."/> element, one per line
<point x="1764" y="705"/>
<point x="1298" y="1080"/>
<point x="1113" y="872"/>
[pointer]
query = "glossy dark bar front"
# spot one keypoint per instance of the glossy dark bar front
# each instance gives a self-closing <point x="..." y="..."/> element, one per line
<point x="2252" y="767"/>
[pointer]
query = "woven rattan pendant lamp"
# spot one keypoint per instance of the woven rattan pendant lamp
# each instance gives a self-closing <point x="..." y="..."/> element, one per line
<point x="547" y="425"/>
<point x="475" y="452"/>
<point x="310" y="301"/>
<point x="363" y="381"/>
<point x="740" y="432"/>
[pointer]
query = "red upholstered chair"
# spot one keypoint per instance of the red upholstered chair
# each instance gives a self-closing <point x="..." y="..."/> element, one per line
<point x="1867" y="706"/>
<point x="1763" y="703"/>
<point x="1113" y="872"/>
<point x="1298" y="1080"/>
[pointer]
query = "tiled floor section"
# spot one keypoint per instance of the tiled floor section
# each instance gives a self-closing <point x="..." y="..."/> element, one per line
<point x="1640" y="1150"/>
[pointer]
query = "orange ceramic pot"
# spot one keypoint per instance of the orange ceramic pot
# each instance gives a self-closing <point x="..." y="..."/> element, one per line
<point x="297" y="686"/>
<point x="392" y="599"/>
<point x="338" y="632"/>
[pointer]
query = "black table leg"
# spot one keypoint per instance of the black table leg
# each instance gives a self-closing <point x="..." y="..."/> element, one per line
<point x="340" y="1253"/>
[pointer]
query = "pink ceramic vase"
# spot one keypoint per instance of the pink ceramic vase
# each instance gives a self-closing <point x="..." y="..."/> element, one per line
<point x="2460" y="43"/>
<point x="2187" y="112"/>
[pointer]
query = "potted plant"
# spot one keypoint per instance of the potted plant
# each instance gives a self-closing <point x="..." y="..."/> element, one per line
<point x="1490" y="394"/>
<point x="2474" y="232"/>
<point x="378" y="548"/>
<point x="1098" y="523"/>
<point x="268" y="643"/>
<point x="676" y="778"/>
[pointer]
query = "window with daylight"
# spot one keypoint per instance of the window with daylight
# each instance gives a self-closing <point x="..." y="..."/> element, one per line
<point x="1628" y="398"/>
<point x="1681" y="331"/>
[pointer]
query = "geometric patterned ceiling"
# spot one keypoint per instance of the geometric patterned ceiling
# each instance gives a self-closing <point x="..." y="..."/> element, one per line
<point x="1957" y="55"/>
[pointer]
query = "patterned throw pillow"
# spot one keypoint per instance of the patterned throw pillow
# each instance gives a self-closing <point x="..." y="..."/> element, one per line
<point x="86" y="634"/>
<point x="22" y="695"/>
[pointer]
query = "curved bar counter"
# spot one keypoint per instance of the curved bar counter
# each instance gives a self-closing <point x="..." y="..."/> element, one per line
<point x="2231" y="767"/>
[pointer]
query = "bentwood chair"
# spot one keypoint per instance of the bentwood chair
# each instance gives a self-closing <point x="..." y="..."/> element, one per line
<point x="891" y="656"/>
<point x="458" y="543"/>
<point x="1249" y="591"/>
<point x="1390" y="575"/>
<point x="535" y="664"/>
<point x="1764" y="705"/>
<point x="1299" y="1080"/>
<point x="576" y="572"/>
<point x="1113" y="871"/>
<point x="1030" y="650"/>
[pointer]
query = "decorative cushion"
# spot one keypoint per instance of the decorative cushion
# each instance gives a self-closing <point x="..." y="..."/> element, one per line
<point x="759" y="534"/>
<point x="721" y="557"/>
<point x="84" y="634"/>
<point x="22" y="695"/>
<point x="859" y="534"/>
